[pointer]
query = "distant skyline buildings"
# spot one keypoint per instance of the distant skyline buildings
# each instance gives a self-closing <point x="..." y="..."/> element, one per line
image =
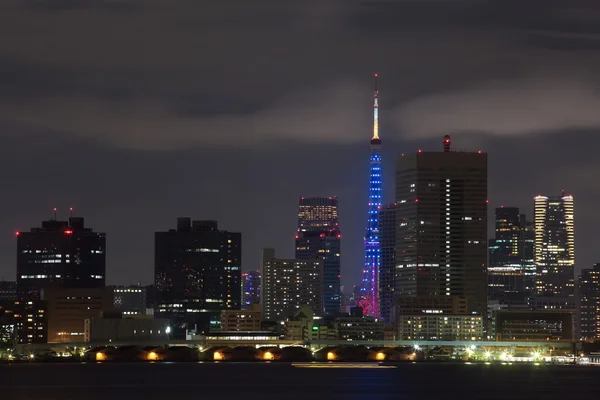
<point x="554" y="245"/>
<point x="319" y="237"/>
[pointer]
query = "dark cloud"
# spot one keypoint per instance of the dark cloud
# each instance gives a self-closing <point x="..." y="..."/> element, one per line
<point x="138" y="111"/>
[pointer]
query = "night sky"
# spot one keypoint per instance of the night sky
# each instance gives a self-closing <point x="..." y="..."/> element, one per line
<point x="135" y="112"/>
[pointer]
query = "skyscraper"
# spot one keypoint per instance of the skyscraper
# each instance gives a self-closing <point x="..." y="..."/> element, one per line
<point x="387" y="272"/>
<point x="441" y="239"/>
<point x="197" y="272"/>
<point x="288" y="284"/>
<point x="63" y="254"/>
<point x="510" y="257"/>
<point x="250" y="289"/>
<point x="589" y="303"/>
<point x="370" y="285"/>
<point x="319" y="237"/>
<point x="554" y="245"/>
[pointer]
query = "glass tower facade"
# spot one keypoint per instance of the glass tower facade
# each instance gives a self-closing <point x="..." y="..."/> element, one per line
<point x="510" y="271"/>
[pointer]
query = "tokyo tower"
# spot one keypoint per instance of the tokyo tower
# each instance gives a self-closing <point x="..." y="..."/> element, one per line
<point x="370" y="284"/>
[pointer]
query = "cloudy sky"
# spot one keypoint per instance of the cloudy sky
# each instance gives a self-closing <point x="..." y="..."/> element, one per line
<point x="135" y="112"/>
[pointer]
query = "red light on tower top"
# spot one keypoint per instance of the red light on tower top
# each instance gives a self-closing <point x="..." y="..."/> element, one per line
<point x="17" y="233"/>
<point x="68" y="232"/>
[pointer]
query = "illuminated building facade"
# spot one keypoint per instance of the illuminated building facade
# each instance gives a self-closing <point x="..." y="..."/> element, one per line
<point x="554" y="245"/>
<point x="589" y="303"/>
<point x="430" y="326"/>
<point x="242" y="320"/>
<point x="288" y="284"/>
<point x="250" y="289"/>
<point x="23" y="322"/>
<point x="130" y="300"/>
<point x="62" y="254"/>
<point x="319" y="237"/>
<point x="387" y="271"/>
<point x="197" y="274"/>
<point x="370" y="302"/>
<point x="511" y="271"/>
<point x="441" y="238"/>
<point x="68" y="309"/>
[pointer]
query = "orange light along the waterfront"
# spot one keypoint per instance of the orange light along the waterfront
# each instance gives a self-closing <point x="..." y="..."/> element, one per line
<point x="218" y="356"/>
<point x="268" y="356"/>
<point x="152" y="356"/>
<point x="330" y="356"/>
<point x="100" y="356"/>
<point x="380" y="356"/>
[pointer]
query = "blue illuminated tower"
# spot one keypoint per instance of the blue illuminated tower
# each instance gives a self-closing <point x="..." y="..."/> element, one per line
<point x="370" y="285"/>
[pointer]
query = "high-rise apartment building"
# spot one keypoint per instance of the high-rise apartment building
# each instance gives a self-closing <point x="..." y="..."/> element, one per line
<point x="511" y="270"/>
<point x="319" y="237"/>
<point x="288" y="284"/>
<point x="250" y="289"/>
<point x="387" y="270"/>
<point x="589" y="303"/>
<point x="441" y="238"/>
<point x="197" y="274"/>
<point x="554" y="245"/>
<point x="63" y="254"/>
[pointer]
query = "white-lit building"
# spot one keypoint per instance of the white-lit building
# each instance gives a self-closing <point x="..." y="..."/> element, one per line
<point x="440" y="327"/>
<point x="554" y="245"/>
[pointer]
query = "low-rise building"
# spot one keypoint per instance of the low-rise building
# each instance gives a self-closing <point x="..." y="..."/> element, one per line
<point x="130" y="300"/>
<point x="129" y="329"/>
<point x="533" y="325"/>
<point x="359" y="328"/>
<point x="69" y="308"/>
<point x="242" y="320"/>
<point x="440" y="327"/>
<point x="304" y="326"/>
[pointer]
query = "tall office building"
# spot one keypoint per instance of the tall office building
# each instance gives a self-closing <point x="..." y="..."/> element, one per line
<point x="441" y="239"/>
<point x="197" y="272"/>
<point x="250" y="289"/>
<point x="387" y="271"/>
<point x="554" y="245"/>
<point x="511" y="267"/>
<point x="288" y="284"/>
<point x="63" y="254"/>
<point x="589" y="303"/>
<point x="319" y="237"/>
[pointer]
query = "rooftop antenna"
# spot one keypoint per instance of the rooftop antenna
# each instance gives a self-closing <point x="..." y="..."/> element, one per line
<point x="54" y="210"/>
<point x="71" y="212"/>
<point x="447" y="144"/>
<point x="376" y="111"/>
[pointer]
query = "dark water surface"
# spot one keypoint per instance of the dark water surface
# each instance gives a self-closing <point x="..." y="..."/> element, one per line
<point x="240" y="381"/>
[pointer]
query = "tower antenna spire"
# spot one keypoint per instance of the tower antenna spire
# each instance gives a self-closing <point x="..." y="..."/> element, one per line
<point x="376" y="110"/>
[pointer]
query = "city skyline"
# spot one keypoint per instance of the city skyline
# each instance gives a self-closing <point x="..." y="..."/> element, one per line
<point x="130" y="174"/>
